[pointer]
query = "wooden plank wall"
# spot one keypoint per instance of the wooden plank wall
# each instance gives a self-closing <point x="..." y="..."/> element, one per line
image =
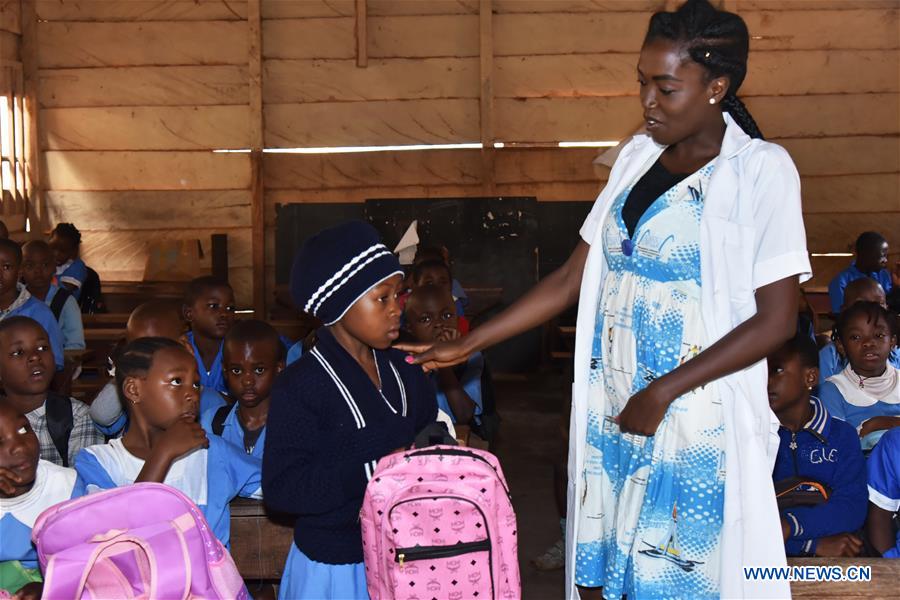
<point x="135" y="94"/>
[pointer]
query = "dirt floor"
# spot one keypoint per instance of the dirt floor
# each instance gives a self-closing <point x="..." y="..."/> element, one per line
<point x="529" y="441"/>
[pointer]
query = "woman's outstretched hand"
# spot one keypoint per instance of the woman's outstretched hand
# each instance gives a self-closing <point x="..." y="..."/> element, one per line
<point x="645" y="410"/>
<point x="437" y="355"/>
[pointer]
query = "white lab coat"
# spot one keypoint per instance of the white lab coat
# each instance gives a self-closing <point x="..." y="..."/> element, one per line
<point x="751" y="235"/>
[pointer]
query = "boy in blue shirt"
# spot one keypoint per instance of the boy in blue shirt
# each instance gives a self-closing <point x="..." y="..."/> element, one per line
<point x="884" y="495"/>
<point x="253" y="356"/>
<point x="431" y="317"/>
<point x="816" y="447"/>
<point x="71" y="272"/>
<point x="16" y="300"/>
<point x="871" y="261"/>
<point x="209" y="310"/>
<point x="37" y="274"/>
<point x="28" y="486"/>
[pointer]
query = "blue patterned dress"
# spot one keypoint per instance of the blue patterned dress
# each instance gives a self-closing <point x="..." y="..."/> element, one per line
<point x="652" y="512"/>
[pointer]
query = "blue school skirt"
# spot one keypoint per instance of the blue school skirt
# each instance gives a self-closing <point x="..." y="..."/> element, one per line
<point x="306" y="579"/>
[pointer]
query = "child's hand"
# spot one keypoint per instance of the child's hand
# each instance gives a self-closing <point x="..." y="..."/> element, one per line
<point x="30" y="591"/>
<point x="842" y="544"/>
<point x="9" y="481"/>
<point x="182" y="437"/>
<point x="448" y="335"/>
<point x="877" y="424"/>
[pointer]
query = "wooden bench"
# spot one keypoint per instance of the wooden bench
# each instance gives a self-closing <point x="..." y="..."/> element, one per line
<point x="885" y="581"/>
<point x="259" y="542"/>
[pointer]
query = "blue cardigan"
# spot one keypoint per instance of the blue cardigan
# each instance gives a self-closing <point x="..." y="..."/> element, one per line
<point x="827" y="450"/>
<point x="327" y="427"/>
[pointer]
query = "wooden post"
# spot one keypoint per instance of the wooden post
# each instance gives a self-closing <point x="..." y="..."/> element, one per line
<point x="34" y="186"/>
<point x="257" y="184"/>
<point x="486" y="67"/>
<point x="362" y="51"/>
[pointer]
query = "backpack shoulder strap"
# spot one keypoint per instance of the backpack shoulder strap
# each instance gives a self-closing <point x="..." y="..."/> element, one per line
<point x="218" y="422"/>
<point x="59" y="300"/>
<point x="60" y="422"/>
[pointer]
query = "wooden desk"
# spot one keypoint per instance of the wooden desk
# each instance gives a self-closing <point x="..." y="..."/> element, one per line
<point x="259" y="543"/>
<point x="884" y="583"/>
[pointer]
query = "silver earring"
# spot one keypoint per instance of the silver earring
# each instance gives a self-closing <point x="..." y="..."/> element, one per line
<point x="712" y="100"/>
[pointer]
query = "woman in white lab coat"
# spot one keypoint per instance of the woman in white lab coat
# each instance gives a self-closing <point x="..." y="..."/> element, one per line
<point x="687" y="277"/>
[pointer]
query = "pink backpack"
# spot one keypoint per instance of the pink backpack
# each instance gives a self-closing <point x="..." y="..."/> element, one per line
<point x="146" y="540"/>
<point x="438" y="523"/>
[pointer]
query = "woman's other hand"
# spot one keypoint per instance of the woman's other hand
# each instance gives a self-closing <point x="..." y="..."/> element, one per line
<point x="645" y="410"/>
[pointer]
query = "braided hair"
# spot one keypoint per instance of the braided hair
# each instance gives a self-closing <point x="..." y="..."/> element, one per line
<point x="136" y="359"/>
<point x="718" y="41"/>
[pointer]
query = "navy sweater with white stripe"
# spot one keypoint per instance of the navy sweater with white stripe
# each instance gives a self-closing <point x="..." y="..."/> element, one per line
<point x="327" y="427"/>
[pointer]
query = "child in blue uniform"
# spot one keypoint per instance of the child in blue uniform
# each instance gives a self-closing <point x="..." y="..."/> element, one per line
<point x="816" y="447"/>
<point x="156" y="318"/>
<point x="866" y="393"/>
<point x="28" y="486"/>
<point x="871" y="261"/>
<point x="37" y="270"/>
<point x="884" y="495"/>
<point x="431" y="317"/>
<point x="157" y="380"/>
<point x="253" y="356"/>
<point x="865" y="289"/>
<point x="209" y="309"/>
<point x="71" y="272"/>
<point x="342" y="406"/>
<point x="16" y="300"/>
<point x="63" y="425"/>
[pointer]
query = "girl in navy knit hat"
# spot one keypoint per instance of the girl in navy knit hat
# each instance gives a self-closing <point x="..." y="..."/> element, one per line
<point x="341" y="407"/>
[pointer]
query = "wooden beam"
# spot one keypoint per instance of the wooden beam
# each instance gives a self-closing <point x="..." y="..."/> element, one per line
<point x="257" y="184"/>
<point x="486" y="58"/>
<point x="362" y="50"/>
<point x="34" y="202"/>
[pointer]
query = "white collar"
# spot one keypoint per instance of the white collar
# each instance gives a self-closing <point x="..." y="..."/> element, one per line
<point x="52" y="484"/>
<point x="883" y="388"/>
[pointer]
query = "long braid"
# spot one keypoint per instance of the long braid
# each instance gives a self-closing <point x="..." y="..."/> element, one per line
<point x="718" y="41"/>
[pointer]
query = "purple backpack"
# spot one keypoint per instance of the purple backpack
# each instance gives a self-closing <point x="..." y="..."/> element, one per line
<point x="146" y="540"/>
<point x="438" y="522"/>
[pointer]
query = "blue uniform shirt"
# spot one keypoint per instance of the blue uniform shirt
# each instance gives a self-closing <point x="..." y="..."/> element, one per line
<point x="211" y="477"/>
<point x="232" y="431"/>
<point x="828" y="451"/>
<point x="851" y="273"/>
<point x="52" y="484"/>
<point x="72" y="273"/>
<point x="884" y="478"/>
<point x="846" y="401"/>
<point x="469" y="379"/>
<point x="69" y="321"/>
<point x="214" y="379"/>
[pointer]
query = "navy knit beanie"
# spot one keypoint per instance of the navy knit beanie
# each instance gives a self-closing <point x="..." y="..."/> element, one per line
<point x="337" y="266"/>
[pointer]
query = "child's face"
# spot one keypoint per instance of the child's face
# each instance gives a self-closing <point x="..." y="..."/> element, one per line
<point x="26" y="359"/>
<point x="375" y="318"/>
<point x="19" y="449"/>
<point x="789" y="380"/>
<point x="38" y="267"/>
<point x="873" y="258"/>
<point x="212" y="313"/>
<point x="9" y="273"/>
<point x="867" y="345"/>
<point x="63" y="249"/>
<point x="435" y="277"/>
<point x="430" y="317"/>
<point x="169" y="392"/>
<point x="250" y="370"/>
<point x="868" y="293"/>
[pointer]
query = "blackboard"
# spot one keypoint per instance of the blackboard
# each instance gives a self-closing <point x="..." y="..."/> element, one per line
<point x="494" y="242"/>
